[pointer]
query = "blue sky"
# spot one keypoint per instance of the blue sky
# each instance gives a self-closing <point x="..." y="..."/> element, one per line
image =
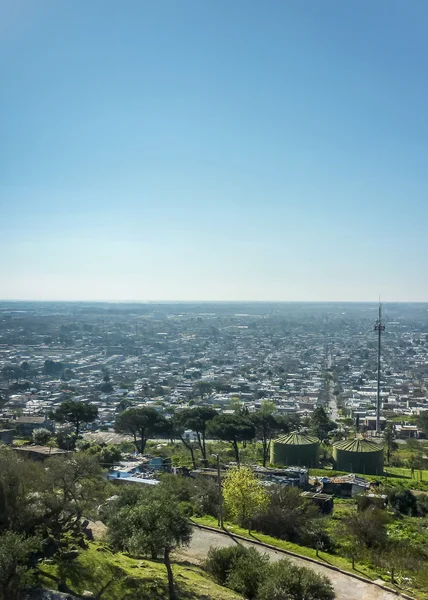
<point x="195" y="150"/>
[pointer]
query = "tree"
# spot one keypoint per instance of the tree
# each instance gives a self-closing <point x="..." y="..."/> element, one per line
<point x="8" y="372"/>
<point x="50" y="367"/>
<point x="415" y="462"/>
<point x="105" y="388"/>
<point x="288" y="423"/>
<point x="320" y="424"/>
<point x="265" y="426"/>
<point x="44" y="502"/>
<point x="19" y="481"/>
<point x="79" y="479"/>
<point x="15" y="550"/>
<point x="41" y="436"/>
<point x="286" y="581"/>
<point x="155" y="527"/>
<point x="198" y="420"/>
<point x="179" y="425"/>
<point x="422" y="421"/>
<point x="107" y="455"/>
<point x="145" y="422"/>
<point x="71" y="411"/>
<point x="232" y="429"/>
<point x="66" y="441"/>
<point x="244" y="495"/>
<point x="12" y="372"/>
<point x="25" y="368"/>
<point x="203" y="387"/>
<point x="73" y="488"/>
<point x="388" y="438"/>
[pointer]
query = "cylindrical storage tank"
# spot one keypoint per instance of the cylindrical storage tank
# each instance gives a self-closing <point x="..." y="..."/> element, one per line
<point x="358" y="456"/>
<point x="295" y="450"/>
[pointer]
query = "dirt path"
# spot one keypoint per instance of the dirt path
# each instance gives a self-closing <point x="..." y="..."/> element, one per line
<point x="346" y="587"/>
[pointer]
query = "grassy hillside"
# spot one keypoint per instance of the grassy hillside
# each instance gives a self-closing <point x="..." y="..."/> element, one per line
<point x="131" y="579"/>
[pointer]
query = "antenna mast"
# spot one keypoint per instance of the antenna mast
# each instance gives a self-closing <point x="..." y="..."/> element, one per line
<point x="379" y="328"/>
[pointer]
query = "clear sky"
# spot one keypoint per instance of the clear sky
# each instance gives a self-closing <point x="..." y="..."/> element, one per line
<point x="214" y="150"/>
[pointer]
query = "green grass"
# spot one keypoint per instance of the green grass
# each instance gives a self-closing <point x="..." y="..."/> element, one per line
<point x="133" y="579"/>
<point x="341" y="511"/>
<point x="323" y="558"/>
<point x="393" y="476"/>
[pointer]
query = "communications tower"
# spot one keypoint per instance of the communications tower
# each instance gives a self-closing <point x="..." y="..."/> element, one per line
<point x="380" y="329"/>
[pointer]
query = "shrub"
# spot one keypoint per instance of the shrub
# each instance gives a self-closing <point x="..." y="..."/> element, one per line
<point x="248" y="573"/>
<point x="291" y="517"/>
<point x="422" y="505"/>
<point x="403" y="501"/>
<point x="220" y="561"/>
<point x="367" y="529"/>
<point x="41" y="436"/>
<point x="66" y="441"/>
<point x="286" y="581"/>
<point x="205" y="497"/>
<point x="239" y="568"/>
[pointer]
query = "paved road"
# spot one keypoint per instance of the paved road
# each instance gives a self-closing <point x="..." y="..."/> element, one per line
<point x="346" y="588"/>
<point x="332" y="404"/>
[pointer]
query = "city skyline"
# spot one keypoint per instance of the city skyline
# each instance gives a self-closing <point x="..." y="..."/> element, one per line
<point x="218" y="152"/>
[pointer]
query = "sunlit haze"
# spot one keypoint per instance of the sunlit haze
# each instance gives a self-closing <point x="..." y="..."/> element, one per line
<point x="213" y="150"/>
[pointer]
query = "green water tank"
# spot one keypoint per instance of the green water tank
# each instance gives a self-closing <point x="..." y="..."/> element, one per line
<point x="358" y="456"/>
<point x="295" y="450"/>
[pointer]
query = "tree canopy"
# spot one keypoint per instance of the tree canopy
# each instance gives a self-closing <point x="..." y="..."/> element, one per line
<point x="320" y="424"/>
<point x="265" y="426"/>
<point x="144" y="422"/>
<point x="422" y="421"/>
<point x="232" y="429"/>
<point x="71" y="411"/>
<point x="244" y="495"/>
<point x="197" y="419"/>
<point x="154" y="526"/>
<point x="41" y="510"/>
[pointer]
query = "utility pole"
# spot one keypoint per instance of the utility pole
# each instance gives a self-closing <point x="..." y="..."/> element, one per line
<point x="379" y="328"/>
<point x="220" y="493"/>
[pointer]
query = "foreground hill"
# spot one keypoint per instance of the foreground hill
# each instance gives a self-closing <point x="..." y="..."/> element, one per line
<point x="125" y="578"/>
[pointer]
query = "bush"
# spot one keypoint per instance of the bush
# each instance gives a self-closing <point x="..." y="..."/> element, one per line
<point x="66" y="441"/>
<point x="205" y="497"/>
<point x="291" y="517"/>
<point x="248" y="573"/>
<point x="403" y="501"/>
<point x="220" y="561"/>
<point x="239" y="568"/>
<point x="107" y="455"/>
<point x="177" y="486"/>
<point x="367" y="529"/>
<point x="286" y="581"/>
<point x="41" y="436"/>
<point x="422" y="505"/>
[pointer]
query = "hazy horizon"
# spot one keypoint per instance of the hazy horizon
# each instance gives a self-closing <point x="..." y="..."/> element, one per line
<point x="269" y="151"/>
<point x="372" y="303"/>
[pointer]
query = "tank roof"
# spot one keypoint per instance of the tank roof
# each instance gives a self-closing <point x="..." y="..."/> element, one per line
<point x="296" y="439"/>
<point x="358" y="445"/>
